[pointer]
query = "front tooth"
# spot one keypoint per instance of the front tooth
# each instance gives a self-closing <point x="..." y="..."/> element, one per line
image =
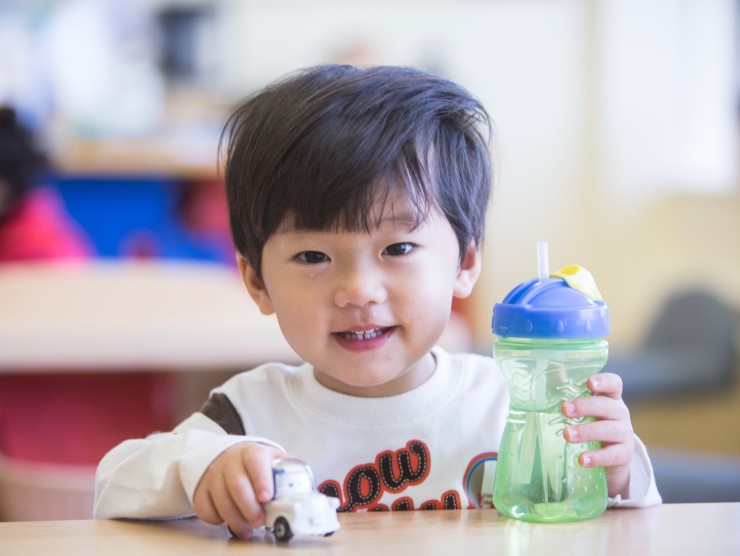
<point x="366" y="335"/>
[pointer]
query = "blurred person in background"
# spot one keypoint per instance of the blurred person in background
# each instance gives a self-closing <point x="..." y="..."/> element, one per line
<point x="34" y="224"/>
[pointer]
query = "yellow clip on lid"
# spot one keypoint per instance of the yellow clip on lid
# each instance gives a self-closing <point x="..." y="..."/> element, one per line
<point x="579" y="279"/>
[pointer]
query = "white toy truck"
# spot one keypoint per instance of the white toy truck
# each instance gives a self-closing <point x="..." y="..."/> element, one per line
<point x="297" y="508"/>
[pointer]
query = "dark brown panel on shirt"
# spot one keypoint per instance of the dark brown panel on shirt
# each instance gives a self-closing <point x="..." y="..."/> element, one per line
<point x="220" y="409"/>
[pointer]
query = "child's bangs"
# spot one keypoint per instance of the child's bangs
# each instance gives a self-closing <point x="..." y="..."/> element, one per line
<point x="361" y="207"/>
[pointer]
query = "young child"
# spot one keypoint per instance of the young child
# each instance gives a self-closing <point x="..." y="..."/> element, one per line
<point x="357" y="200"/>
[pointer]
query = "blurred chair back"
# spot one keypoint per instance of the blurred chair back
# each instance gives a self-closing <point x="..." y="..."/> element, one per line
<point x="697" y="319"/>
<point x="691" y="346"/>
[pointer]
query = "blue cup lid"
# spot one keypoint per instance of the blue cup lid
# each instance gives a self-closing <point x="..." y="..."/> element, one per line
<point x="551" y="309"/>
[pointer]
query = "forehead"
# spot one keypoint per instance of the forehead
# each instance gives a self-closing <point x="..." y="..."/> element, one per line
<point x="396" y="209"/>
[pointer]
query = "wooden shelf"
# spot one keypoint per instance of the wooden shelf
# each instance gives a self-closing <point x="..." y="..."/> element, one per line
<point x="186" y="158"/>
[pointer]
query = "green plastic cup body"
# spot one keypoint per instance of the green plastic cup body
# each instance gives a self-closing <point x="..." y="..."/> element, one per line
<point x="538" y="475"/>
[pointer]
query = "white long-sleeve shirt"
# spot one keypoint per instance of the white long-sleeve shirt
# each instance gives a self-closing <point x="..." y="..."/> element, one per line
<point x="432" y="447"/>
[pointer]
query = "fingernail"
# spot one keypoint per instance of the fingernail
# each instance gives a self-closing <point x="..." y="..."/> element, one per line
<point x="570" y="408"/>
<point x="595" y="383"/>
<point x="586" y="461"/>
<point x="572" y="433"/>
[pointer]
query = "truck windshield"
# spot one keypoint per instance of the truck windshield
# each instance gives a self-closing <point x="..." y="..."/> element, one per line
<point x="293" y="482"/>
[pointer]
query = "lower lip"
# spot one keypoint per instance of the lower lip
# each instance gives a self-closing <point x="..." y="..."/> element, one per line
<point x="365" y="345"/>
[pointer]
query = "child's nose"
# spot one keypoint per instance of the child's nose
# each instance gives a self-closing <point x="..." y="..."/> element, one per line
<point x="359" y="287"/>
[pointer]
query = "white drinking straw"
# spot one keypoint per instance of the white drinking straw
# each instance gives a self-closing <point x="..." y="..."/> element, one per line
<point x="543" y="261"/>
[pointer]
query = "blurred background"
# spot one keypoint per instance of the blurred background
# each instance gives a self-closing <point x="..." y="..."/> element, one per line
<point x="616" y="142"/>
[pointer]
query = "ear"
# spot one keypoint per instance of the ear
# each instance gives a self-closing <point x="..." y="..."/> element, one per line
<point x="255" y="286"/>
<point x="467" y="274"/>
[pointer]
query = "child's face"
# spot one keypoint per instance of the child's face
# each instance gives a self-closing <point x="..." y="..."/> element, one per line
<point x="365" y="308"/>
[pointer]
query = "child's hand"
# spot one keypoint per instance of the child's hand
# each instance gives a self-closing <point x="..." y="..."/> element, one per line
<point x="612" y="428"/>
<point x="234" y="487"/>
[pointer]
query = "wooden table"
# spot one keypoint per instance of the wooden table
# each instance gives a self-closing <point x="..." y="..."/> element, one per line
<point x="671" y="529"/>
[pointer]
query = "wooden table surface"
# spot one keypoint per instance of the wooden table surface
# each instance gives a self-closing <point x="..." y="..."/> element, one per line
<point x="671" y="529"/>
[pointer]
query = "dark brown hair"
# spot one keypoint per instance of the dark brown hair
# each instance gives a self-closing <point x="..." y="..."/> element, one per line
<point x="319" y="147"/>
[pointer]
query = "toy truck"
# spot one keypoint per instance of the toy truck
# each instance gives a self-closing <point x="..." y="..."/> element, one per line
<point x="297" y="508"/>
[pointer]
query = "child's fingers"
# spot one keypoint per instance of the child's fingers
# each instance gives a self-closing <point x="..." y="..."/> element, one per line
<point x="606" y="384"/>
<point x="234" y="487"/>
<point x="214" y="505"/>
<point x="614" y="455"/>
<point x="232" y="515"/>
<point x="242" y="494"/>
<point x="600" y="407"/>
<point x="606" y="432"/>
<point x="204" y="506"/>
<point x="258" y="465"/>
<point x="249" y="484"/>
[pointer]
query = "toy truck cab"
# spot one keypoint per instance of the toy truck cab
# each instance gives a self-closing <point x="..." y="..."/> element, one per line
<point x="297" y="508"/>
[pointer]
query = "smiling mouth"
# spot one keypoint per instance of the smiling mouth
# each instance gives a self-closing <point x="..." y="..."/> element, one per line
<point x="362" y="334"/>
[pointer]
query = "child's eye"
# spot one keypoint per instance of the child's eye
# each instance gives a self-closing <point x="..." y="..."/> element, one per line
<point x="312" y="257"/>
<point x="399" y="249"/>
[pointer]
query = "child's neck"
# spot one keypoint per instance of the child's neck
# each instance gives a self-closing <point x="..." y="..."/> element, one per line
<point x="411" y="378"/>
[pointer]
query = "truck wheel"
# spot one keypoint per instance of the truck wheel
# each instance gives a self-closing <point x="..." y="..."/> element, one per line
<point x="282" y="530"/>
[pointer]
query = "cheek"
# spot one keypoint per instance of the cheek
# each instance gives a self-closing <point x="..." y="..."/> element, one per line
<point x="430" y="291"/>
<point x="298" y="330"/>
<point x="297" y="313"/>
<point x="291" y="310"/>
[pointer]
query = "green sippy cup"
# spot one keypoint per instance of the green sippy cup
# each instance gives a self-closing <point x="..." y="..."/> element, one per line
<point x="551" y="340"/>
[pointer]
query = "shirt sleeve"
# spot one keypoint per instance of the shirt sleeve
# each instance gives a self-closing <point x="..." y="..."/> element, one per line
<point x="643" y="490"/>
<point x="156" y="477"/>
